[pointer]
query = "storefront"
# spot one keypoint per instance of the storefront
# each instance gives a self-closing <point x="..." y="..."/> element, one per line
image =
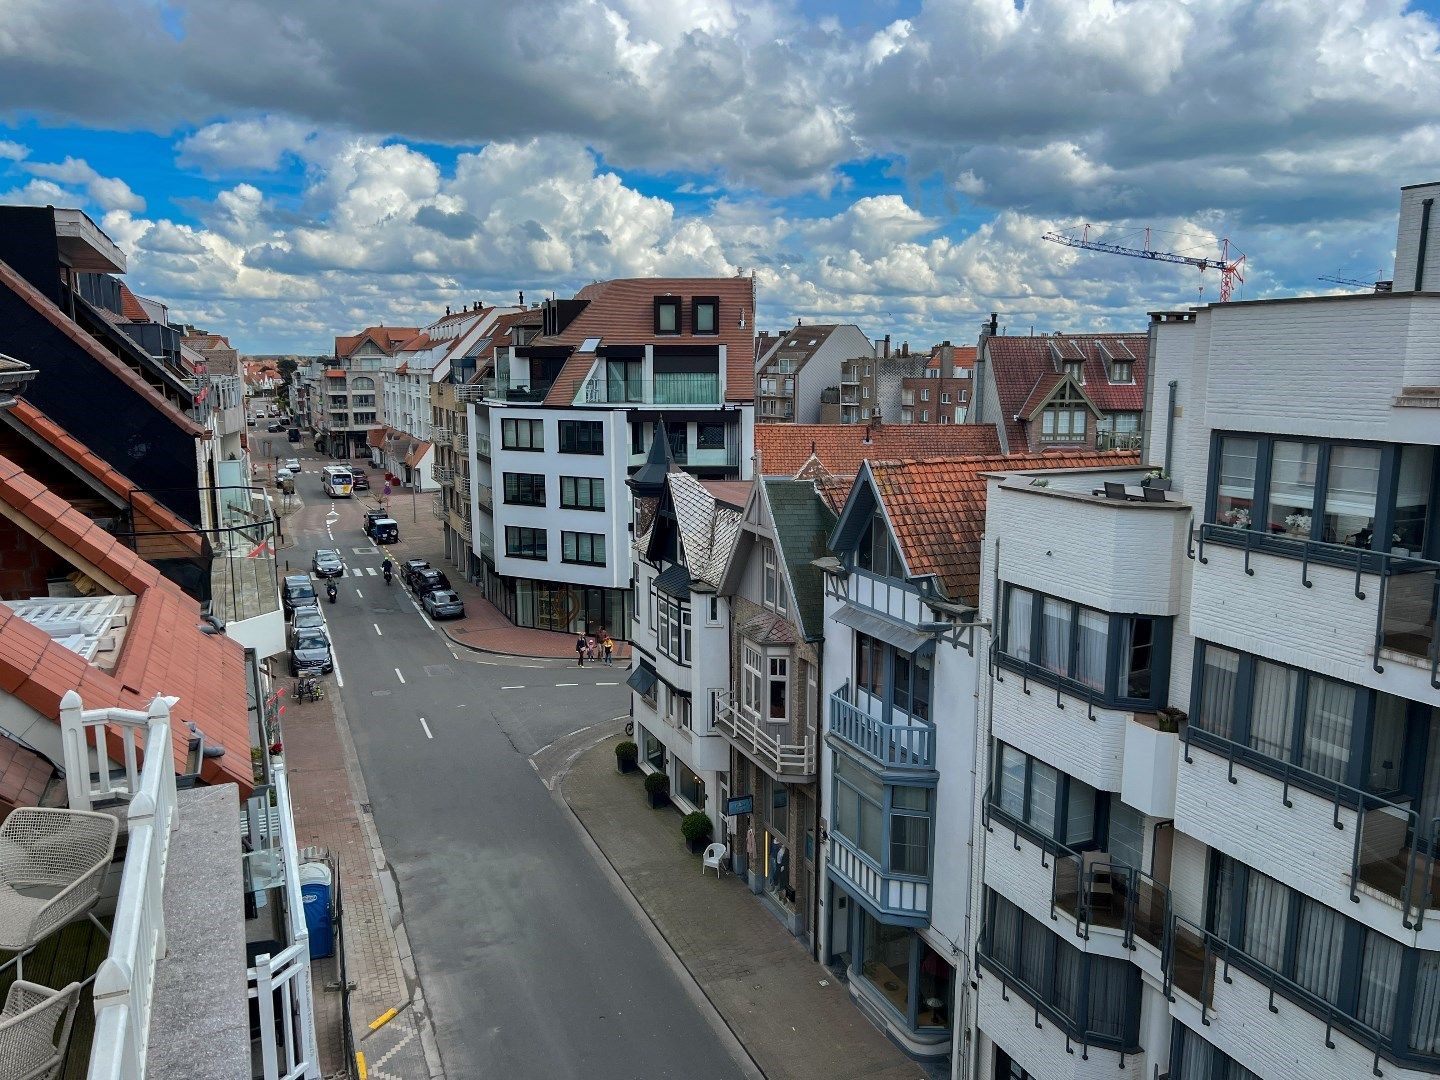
<point x="550" y="605"/>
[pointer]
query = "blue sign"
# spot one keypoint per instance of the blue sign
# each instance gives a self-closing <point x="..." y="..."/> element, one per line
<point x="741" y="804"/>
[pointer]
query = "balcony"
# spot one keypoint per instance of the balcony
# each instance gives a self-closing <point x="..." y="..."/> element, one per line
<point x="482" y="447"/>
<point x="465" y="529"/>
<point x="906" y="746"/>
<point x="437" y="507"/>
<point x="442" y="474"/>
<point x="907" y="397"/>
<point x="900" y="899"/>
<point x="460" y="443"/>
<point x="762" y="743"/>
<point x="1118" y="440"/>
<point x="674" y="388"/>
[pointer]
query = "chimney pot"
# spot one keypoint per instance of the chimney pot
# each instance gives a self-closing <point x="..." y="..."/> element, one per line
<point x="887" y="346"/>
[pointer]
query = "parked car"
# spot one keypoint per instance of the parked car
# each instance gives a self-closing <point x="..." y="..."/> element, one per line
<point x="327" y="564"/>
<point x="293" y="434"/>
<point x="409" y="568"/>
<point x="358" y="480"/>
<point x="443" y="604"/>
<point x="310" y="651"/>
<point x="293" y="464"/>
<point x="308" y="618"/>
<point x="382" y="529"/>
<point x="274" y="426"/>
<point x="298" y="591"/>
<point x="424" y="582"/>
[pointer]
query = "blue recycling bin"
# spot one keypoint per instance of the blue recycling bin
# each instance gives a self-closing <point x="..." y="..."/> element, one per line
<point x="315" y="886"/>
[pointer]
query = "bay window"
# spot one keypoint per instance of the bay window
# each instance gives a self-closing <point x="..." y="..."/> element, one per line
<point x="890" y="824"/>
<point x="672" y="627"/>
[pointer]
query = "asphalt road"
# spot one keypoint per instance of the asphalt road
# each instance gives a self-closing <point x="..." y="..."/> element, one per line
<point x="531" y="962"/>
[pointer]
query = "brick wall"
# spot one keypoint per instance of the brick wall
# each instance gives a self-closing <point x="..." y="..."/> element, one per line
<point x="25" y="564"/>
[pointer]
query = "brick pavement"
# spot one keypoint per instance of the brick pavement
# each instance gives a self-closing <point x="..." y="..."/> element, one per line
<point x="327" y="794"/>
<point x="792" y="1015"/>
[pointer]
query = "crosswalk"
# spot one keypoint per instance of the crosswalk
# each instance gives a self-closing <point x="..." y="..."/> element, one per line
<point x="363" y="571"/>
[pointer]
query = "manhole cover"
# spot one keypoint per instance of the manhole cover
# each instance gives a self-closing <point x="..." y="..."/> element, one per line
<point x="437" y="669"/>
<point x="371" y="550"/>
<point x="379" y="693"/>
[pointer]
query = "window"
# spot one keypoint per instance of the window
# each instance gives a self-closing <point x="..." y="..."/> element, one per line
<point x="924" y="416"/>
<point x="925" y="394"/>
<point x="859" y="808"/>
<point x="688" y="785"/>
<point x="944" y="399"/>
<point x="876" y="553"/>
<point x="909" y="678"/>
<point x="586" y="549"/>
<point x="582" y="493"/>
<point x="753" y="680"/>
<point x="1044" y="800"/>
<point x="653" y="749"/>
<point x="672" y="627"/>
<point x="522" y="434"/>
<point x="705" y="315"/>
<point x="865" y="393"/>
<point x="525" y="489"/>
<point x="582" y="437"/>
<point x="1122" y="371"/>
<point x="1192" y="1058"/>
<point x="779" y="703"/>
<point x="667" y="315"/>
<point x="709" y="436"/>
<point x="362" y="382"/>
<point x="1294" y="470"/>
<point x="525" y="543"/>
<point x="712" y="606"/>
<point x="772" y="578"/>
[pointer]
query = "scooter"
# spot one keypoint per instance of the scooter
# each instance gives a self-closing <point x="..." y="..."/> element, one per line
<point x="388" y="575"/>
<point x="331" y="591"/>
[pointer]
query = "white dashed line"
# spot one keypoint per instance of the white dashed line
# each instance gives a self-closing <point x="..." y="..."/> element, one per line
<point x="378" y="632"/>
<point x="359" y="594"/>
<point x="512" y="688"/>
<point x="370" y="570"/>
<point x="534" y="766"/>
<point x="607" y="684"/>
<point x="398" y="675"/>
<point x="339" y="679"/>
<point x="575" y="732"/>
<point x="567" y="684"/>
<point x="462" y="705"/>
<point x="426" y="726"/>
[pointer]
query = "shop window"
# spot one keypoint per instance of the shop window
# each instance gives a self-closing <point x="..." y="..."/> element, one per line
<point x="653" y="750"/>
<point x="689" y="786"/>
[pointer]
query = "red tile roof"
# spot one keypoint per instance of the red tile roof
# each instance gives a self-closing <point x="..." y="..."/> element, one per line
<point x="962" y="357"/>
<point x="386" y="338"/>
<point x="622" y="312"/>
<point x="24" y="775"/>
<point x="785" y="448"/>
<point x="149" y="515"/>
<point x="1019" y="363"/>
<point x="937" y="508"/>
<point x="412" y="459"/>
<point x="131" y="307"/>
<point x="163" y="650"/>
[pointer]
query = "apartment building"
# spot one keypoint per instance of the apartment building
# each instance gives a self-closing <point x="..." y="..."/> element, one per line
<point x="1210" y="726"/>
<point x="871" y="386"/>
<point x="573" y="411"/>
<point x="348" y="395"/>
<point x="792" y="374"/>
<point x="685" y="532"/>
<point x="941" y="395"/>
<point x="1061" y="390"/>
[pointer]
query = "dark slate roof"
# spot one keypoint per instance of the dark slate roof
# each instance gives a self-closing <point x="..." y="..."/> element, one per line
<point x="803" y="522"/>
<point x="674" y="580"/>
<point x="649" y="480"/>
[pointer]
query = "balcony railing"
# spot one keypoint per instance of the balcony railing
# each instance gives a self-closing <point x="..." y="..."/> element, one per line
<point x="460" y="443"/>
<point x="760" y="741"/>
<point x="437" y="507"/>
<point x="1118" y="440"/>
<point x="674" y="388"/>
<point x="476" y="392"/>
<point x="465" y="527"/>
<point x="905" y="897"/>
<point x="442" y="474"/>
<point x="892" y="746"/>
<point x="125" y="982"/>
<point x="482" y="446"/>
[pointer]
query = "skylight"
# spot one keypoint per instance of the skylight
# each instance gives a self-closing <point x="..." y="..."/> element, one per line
<point x="590" y="344"/>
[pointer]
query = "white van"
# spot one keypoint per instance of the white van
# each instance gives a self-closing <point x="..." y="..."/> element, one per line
<point x="336" y="481"/>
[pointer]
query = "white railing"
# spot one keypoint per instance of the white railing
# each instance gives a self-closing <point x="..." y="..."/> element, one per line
<point x="86" y="740"/>
<point x="743" y="727"/>
<point x="280" y="984"/>
<point x="124" y="983"/>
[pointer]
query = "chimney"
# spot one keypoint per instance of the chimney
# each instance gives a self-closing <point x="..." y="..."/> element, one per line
<point x="887" y="346"/>
<point x="447" y="309"/>
<point x="522" y="300"/>
<point x="905" y="350"/>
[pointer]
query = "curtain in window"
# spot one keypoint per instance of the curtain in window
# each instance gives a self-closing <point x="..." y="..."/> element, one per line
<point x="1222" y="896"/>
<point x="1329" y="714"/>
<point x="1425" y="1013"/>
<point x="1092" y="630"/>
<point x="1018" y="612"/>
<point x="1318" y="947"/>
<point x="1004" y="930"/>
<point x="1387" y="744"/>
<point x="1127" y="834"/>
<point x="1267" y="906"/>
<point x="1272" y="710"/>
<point x="1379" y="981"/>
<point x="1217" y="691"/>
<point x="1430" y="787"/>
<point x="1012" y="782"/>
<point x="909" y="844"/>
<point x="1235" y="493"/>
<point x="1350" y="487"/>
<point x="1137" y="635"/>
<point x="1109" y="993"/>
<point x="1293" y="468"/>
<point x="1068" y="970"/>
<point x="1055" y="635"/>
<point x="1034" y="943"/>
<point x="1196" y="1058"/>
<point x="1079" y="813"/>
<point x="871" y="830"/>
<point x="1043" y="783"/>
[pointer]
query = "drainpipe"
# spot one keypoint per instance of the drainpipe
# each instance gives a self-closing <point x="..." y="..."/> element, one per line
<point x="1425" y="208"/>
<point x="1170" y="426"/>
<point x="820" y="879"/>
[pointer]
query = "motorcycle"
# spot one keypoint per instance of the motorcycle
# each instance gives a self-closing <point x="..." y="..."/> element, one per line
<point x="331" y="591"/>
<point x="388" y="575"/>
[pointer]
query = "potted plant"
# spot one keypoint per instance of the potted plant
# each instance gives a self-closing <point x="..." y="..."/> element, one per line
<point x="1169" y="719"/>
<point x="1237" y="518"/>
<point x="657" y="786"/>
<point x="626" y="754"/>
<point x="1156" y="479"/>
<point x="696" y="828"/>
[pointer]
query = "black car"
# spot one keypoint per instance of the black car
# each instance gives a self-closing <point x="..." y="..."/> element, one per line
<point x="327" y="564"/>
<point x="298" y="591"/>
<point x="359" y="481"/>
<point x="409" y="568"/>
<point x="424" y="582"/>
<point x="383" y="530"/>
<point x="310" y="651"/>
<point x="443" y="604"/>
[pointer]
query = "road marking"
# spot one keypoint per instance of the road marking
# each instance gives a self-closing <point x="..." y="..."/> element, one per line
<point x="575" y="732"/>
<point x="370" y="570"/>
<point x="378" y="632"/>
<point x="512" y="688"/>
<point x="335" y="660"/>
<point x="426" y="726"/>
<point x="355" y="571"/>
<point x="360" y="594"/>
<point x="607" y="684"/>
<point x="567" y="684"/>
<point x="398" y="675"/>
<point x="462" y="705"/>
<point x="427" y="621"/>
<point x="534" y="766"/>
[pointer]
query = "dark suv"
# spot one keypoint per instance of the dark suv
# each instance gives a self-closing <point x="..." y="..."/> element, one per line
<point x="298" y="591"/>
<point x="427" y="581"/>
<point x="409" y="568"/>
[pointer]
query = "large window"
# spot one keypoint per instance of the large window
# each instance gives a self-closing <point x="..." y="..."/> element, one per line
<point x="906" y="687"/>
<point x="709" y="436"/>
<point x="1119" y="660"/>
<point x="524" y="543"/>
<point x="586" y="549"/>
<point x="1049" y="804"/>
<point x="1094" y="998"/>
<point x="1065" y="418"/>
<point x="861" y="813"/>
<point x="525" y="489"/>
<point x="667" y="315"/>
<point x="582" y="493"/>
<point x="672" y="627"/>
<point x="1192" y="1058"/>
<point x="705" y="315"/>
<point x="582" y="437"/>
<point x="877" y="553"/>
<point x="522" y="434"/>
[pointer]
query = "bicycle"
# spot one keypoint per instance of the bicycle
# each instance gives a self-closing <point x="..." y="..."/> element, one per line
<point x="309" y="688"/>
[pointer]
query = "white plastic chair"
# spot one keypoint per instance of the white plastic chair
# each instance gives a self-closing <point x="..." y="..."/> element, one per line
<point x="52" y="867"/>
<point x="714" y="858"/>
<point x="35" y="1030"/>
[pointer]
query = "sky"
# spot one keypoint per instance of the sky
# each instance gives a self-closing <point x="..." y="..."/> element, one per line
<point x="285" y="172"/>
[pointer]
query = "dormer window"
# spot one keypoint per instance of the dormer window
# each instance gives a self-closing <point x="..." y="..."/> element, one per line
<point x="1075" y="369"/>
<point x="705" y="315"/>
<point x="1122" y="371"/>
<point x="667" y="315"/>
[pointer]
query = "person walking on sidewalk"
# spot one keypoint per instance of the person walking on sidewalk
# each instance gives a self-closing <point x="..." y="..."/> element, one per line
<point x="608" y="644"/>
<point x="580" y="651"/>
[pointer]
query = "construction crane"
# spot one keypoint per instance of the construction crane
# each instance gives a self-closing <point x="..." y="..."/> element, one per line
<point x="1376" y="286"/>
<point x="1230" y="264"/>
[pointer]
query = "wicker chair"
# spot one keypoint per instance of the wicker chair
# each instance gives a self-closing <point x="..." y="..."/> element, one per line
<point x="35" y="1030"/>
<point x="52" y="868"/>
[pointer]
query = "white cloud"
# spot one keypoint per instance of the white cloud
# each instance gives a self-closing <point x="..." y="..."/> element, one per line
<point x="257" y="144"/>
<point x="13" y="151"/>
<point x="107" y="192"/>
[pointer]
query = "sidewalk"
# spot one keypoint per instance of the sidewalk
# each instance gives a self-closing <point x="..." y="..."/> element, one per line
<point x="792" y="1015"/>
<point x="327" y="809"/>
<point x="484" y="628"/>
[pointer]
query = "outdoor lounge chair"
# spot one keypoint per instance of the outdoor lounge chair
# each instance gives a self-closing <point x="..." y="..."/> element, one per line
<point x="52" y="868"/>
<point x="714" y="859"/>
<point x="35" y="1030"/>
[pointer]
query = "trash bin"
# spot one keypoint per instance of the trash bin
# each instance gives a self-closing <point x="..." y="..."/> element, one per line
<point x="315" y="886"/>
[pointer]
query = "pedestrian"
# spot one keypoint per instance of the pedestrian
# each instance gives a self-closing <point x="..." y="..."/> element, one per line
<point x="580" y="650"/>
<point x="592" y="648"/>
<point x="609" y="646"/>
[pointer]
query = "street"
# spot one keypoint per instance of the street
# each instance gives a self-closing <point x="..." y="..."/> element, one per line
<point x="531" y="963"/>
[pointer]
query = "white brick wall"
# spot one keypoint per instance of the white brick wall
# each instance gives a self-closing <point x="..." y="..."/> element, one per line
<point x="1093" y="750"/>
<point x="1407" y="239"/>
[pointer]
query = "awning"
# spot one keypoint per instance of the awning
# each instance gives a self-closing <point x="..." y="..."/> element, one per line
<point x="642" y="680"/>
<point x="891" y="631"/>
<point x="674" y="581"/>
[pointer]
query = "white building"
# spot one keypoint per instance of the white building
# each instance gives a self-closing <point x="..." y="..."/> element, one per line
<point x="571" y="413"/>
<point x="801" y="365"/>
<point x="1212" y="741"/>
<point x="679" y="645"/>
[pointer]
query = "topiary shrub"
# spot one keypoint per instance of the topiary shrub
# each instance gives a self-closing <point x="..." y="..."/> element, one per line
<point x="697" y="829"/>
<point x="657" y="786"/>
<point x="626" y="754"/>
